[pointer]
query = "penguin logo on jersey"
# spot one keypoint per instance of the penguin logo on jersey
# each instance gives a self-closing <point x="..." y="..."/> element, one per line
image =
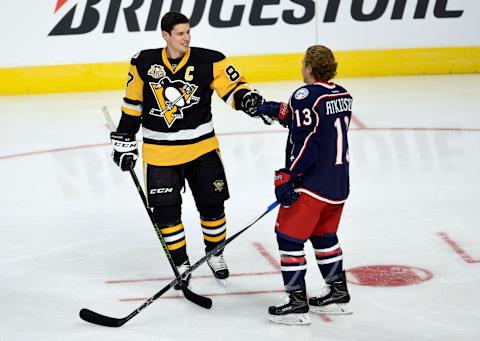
<point x="172" y="97"/>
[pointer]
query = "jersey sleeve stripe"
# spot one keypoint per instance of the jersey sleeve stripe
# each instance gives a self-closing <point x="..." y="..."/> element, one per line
<point x="131" y="112"/>
<point x="132" y="101"/>
<point x="228" y="97"/>
<point x="137" y="107"/>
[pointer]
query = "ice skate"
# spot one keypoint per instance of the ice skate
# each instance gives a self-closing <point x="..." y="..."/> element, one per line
<point x="294" y="309"/>
<point x="333" y="299"/>
<point x="219" y="268"/>
<point x="181" y="270"/>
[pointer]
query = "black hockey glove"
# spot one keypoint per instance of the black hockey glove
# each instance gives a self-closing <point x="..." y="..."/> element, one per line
<point x="285" y="187"/>
<point x="248" y="103"/>
<point x="125" y="152"/>
<point x="279" y="111"/>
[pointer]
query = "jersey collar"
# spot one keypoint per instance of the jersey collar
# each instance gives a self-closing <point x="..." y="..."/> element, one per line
<point x="166" y="62"/>
<point x="328" y="85"/>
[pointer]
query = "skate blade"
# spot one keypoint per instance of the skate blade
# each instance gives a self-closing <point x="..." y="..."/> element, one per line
<point x="332" y="309"/>
<point x="290" y="319"/>
<point x="222" y="282"/>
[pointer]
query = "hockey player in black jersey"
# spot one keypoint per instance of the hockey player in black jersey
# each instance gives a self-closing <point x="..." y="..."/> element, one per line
<point x="312" y="188"/>
<point x="169" y="94"/>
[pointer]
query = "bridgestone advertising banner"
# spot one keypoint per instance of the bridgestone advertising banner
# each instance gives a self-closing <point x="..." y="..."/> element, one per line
<point x="51" y="32"/>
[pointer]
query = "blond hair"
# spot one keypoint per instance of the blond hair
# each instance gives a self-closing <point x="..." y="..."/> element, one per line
<point x="322" y="62"/>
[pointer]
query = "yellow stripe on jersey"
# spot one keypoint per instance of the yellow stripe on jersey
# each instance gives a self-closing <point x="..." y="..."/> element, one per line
<point x="161" y="155"/>
<point x="177" y="245"/>
<point x="172" y="229"/>
<point x="213" y="223"/>
<point x="134" y="85"/>
<point x="231" y="99"/>
<point x="226" y="77"/>
<point x="215" y="239"/>
<point x="132" y="112"/>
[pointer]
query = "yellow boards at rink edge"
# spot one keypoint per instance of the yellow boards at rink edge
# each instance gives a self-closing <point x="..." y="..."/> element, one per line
<point x="85" y="45"/>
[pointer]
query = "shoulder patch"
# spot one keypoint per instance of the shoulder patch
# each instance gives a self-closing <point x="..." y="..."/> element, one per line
<point x="301" y="93"/>
<point x="156" y="71"/>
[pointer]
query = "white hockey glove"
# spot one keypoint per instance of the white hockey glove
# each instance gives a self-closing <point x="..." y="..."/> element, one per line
<point x="125" y="152"/>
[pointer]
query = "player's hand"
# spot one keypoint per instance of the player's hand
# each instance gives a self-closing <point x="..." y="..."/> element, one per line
<point x="249" y="104"/>
<point x="285" y="187"/>
<point x="279" y="111"/>
<point x="125" y="152"/>
<point x="250" y="101"/>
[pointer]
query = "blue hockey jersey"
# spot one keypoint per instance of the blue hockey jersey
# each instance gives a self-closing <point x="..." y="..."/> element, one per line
<point x="317" y="148"/>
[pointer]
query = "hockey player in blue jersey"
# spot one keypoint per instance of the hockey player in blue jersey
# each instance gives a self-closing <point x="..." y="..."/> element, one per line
<point x="312" y="188"/>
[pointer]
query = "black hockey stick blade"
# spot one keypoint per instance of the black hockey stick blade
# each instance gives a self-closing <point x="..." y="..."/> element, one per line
<point x="202" y="301"/>
<point x="102" y="320"/>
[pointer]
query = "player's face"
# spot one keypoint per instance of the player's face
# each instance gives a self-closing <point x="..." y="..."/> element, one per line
<point x="178" y="41"/>
<point x="307" y="73"/>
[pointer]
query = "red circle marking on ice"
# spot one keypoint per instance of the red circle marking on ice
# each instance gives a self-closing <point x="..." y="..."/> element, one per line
<point x="387" y="275"/>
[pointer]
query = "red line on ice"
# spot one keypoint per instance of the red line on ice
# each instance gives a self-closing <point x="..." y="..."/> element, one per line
<point x="357" y="122"/>
<point x="267" y="255"/>
<point x="210" y="295"/>
<point x="457" y="248"/>
<point x="124" y="281"/>
<point x="62" y="149"/>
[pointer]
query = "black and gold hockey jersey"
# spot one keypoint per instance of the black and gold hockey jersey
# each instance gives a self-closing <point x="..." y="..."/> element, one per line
<point x="174" y="102"/>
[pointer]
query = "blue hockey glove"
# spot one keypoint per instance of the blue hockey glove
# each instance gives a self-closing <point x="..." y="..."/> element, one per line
<point x="285" y="187"/>
<point x="279" y="111"/>
<point x="125" y="152"/>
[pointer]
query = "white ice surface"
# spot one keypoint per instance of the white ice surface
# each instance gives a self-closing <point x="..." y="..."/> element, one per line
<point x="70" y="221"/>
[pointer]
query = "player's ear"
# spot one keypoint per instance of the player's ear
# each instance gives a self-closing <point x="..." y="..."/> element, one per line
<point x="165" y="35"/>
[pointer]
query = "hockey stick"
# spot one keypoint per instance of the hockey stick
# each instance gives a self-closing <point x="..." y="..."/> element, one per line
<point x="102" y="320"/>
<point x="202" y="301"/>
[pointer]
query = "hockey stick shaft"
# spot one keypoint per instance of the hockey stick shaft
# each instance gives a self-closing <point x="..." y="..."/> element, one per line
<point x="202" y="301"/>
<point x="222" y="245"/>
<point x="93" y="317"/>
